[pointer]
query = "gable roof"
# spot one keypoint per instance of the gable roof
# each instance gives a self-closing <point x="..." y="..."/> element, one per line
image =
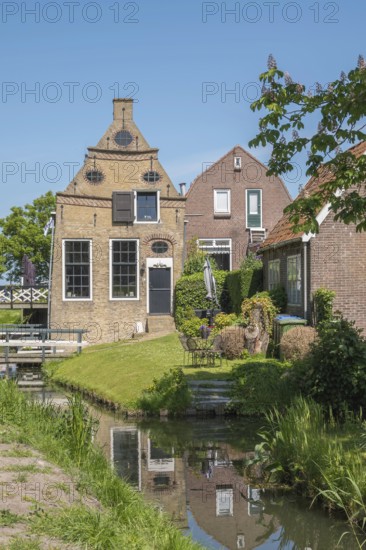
<point x="235" y="151"/>
<point x="282" y="232"/>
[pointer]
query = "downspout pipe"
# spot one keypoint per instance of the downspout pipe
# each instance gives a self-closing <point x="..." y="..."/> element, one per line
<point x="305" y="281"/>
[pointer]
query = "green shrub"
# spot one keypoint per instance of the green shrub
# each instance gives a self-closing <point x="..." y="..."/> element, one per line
<point x="190" y="292"/>
<point x="251" y="278"/>
<point x="296" y="343"/>
<point x="260" y="385"/>
<point x="223" y="320"/>
<point x="278" y="296"/>
<point x="232" y="341"/>
<point x="196" y="258"/>
<point x="338" y="366"/>
<point x="323" y="304"/>
<point x="170" y="392"/>
<point x="191" y="327"/>
<point x="233" y="284"/>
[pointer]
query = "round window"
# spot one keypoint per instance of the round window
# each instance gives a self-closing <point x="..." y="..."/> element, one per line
<point x="123" y="138"/>
<point x="151" y="177"/>
<point x="94" y="176"/>
<point x="159" y="247"/>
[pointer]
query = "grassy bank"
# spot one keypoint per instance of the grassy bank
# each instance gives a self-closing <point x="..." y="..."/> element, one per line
<point x="120" y="518"/>
<point x="119" y="372"/>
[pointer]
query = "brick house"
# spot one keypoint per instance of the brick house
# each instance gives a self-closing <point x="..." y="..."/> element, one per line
<point x="232" y="206"/>
<point x="335" y="258"/>
<point x="118" y="238"/>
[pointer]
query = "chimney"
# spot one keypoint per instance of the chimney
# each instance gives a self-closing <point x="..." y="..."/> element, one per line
<point x="182" y="189"/>
<point x="119" y="105"/>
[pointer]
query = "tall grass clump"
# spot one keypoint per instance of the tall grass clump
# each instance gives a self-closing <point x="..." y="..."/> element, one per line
<point x="305" y="449"/>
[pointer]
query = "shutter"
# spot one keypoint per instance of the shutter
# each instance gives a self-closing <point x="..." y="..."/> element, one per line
<point x="123" y="207"/>
<point x="254" y="214"/>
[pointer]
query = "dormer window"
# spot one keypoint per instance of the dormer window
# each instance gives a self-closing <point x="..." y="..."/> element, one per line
<point x="237" y="163"/>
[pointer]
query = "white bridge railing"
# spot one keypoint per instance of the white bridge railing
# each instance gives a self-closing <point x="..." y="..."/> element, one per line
<point x="30" y="295"/>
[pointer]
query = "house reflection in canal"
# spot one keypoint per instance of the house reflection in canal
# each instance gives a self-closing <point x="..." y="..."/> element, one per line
<point x="154" y="471"/>
<point x="222" y="504"/>
<point x="205" y="479"/>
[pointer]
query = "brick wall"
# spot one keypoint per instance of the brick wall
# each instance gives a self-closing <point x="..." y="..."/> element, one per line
<point x="336" y="259"/>
<point x="202" y="222"/>
<point x="84" y="211"/>
<point x="338" y="262"/>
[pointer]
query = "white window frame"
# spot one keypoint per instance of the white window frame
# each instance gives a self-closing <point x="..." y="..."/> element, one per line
<point x="298" y="281"/>
<point x="247" y="191"/>
<point x="125" y="298"/>
<point x="214" y="247"/>
<point x="237" y="163"/>
<point x="64" y="297"/>
<point x="221" y="496"/>
<point x="118" y="429"/>
<point x="157" y="192"/>
<point x="216" y="209"/>
<point x="159" y="464"/>
<point x="272" y="282"/>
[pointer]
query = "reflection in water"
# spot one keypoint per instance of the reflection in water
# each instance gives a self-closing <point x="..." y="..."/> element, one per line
<point x="194" y="471"/>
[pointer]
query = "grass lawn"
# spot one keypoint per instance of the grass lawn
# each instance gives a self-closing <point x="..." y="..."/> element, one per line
<point x="119" y="372"/>
<point x="10" y="317"/>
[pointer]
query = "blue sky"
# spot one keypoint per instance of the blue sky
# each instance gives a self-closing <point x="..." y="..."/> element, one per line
<point x="163" y="53"/>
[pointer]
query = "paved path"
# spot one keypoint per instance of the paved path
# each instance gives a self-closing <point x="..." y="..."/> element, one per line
<point x="29" y="483"/>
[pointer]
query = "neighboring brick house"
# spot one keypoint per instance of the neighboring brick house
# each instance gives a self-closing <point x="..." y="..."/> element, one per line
<point x="118" y="237"/>
<point x="232" y="206"/>
<point x="335" y="258"/>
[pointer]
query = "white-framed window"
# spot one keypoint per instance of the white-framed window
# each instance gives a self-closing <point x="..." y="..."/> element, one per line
<point x="237" y="163"/>
<point x="125" y="445"/>
<point x="219" y="249"/>
<point x="294" y="279"/>
<point x="224" y="500"/>
<point x="147" y="206"/>
<point x="222" y="201"/>
<point x="255" y="505"/>
<point x="254" y="208"/>
<point x="273" y="274"/>
<point x="159" y="460"/>
<point x="77" y="269"/>
<point x="123" y="269"/>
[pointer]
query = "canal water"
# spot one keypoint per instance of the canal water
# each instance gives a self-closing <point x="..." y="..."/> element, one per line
<point x="193" y="470"/>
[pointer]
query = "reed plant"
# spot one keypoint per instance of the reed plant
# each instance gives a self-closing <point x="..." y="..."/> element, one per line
<point x="310" y="450"/>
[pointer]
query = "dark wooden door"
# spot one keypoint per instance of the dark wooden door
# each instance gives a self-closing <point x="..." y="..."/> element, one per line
<point x="159" y="290"/>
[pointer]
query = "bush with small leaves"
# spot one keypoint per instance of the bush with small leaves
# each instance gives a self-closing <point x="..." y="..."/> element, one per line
<point x="170" y="392"/>
<point x="223" y="320"/>
<point x="278" y="296"/>
<point x="296" y="343"/>
<point x="192" y="327"/>
<point x="232" y="341"/>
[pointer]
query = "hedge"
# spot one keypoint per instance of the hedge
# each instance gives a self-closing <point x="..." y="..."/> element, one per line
<point x="251" y="276"/>
<point x="190" y="292"/>
<point x="233" y="284"/>
<point x="232" y="288"/>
